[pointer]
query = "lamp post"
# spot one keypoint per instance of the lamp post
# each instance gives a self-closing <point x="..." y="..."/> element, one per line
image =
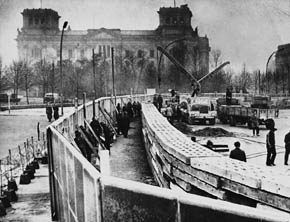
<point x="267" y="77"/>
<point x="60" y="65"/>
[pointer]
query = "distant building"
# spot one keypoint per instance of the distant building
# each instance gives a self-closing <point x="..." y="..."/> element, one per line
<point x="282" y="68"/>
<point x="283" y="58"/>
<point x="40" y="34"/>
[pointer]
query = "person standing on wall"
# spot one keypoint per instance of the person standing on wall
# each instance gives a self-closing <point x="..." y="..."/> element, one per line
<point x="159" y="102"/>
<point x="271" y="147"/>
<point x="238" y="153"/>
<point x="287" y="148"/>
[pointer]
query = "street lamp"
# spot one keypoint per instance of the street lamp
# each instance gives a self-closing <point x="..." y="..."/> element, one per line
<point x="60" y="65"/>
<point x="267" y="77"/>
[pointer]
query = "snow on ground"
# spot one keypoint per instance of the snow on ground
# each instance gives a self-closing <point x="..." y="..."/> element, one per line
<point x="254" y="147"/>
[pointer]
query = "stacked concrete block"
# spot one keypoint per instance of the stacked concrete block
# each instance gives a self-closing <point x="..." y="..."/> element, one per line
<point x="191" y="165"/>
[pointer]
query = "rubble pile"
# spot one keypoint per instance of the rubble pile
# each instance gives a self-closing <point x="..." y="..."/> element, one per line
<point x="212" y="132"/>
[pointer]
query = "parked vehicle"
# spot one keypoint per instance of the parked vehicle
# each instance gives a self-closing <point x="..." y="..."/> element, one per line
<point x="262" y="102"/>
<point x="234" y="114"/>
<point x="51" y="97"/>
<point x="197" y="110"/>
<point x="13" y="98"/>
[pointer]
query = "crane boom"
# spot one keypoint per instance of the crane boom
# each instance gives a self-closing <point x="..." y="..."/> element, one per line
<point x="214" y="71"/>
<point x="176" y="63"/>
<point x="183" y="70"/>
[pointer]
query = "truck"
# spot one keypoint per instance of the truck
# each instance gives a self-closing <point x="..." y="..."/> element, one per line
<point x="234" y="114"/>
<point x="262" y="102"/>
<point x="197" y="110"/>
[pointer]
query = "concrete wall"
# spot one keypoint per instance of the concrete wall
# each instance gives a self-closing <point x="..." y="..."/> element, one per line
<point x="79" y="192"/>
<point x="175" y="159"/>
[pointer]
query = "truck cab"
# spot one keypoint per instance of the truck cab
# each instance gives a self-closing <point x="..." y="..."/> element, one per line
<point x="198" y="110"/>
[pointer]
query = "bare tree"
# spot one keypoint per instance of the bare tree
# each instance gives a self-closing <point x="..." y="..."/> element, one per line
<point x="26" y="79"/>
<point x="243" y="81"/>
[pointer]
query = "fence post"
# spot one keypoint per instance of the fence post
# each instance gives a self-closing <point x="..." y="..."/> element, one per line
<point x="105" y="162"/>
<point x="84" y="105"/>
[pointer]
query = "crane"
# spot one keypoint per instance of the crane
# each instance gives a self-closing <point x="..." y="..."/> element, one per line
<point x="195" y="82"/>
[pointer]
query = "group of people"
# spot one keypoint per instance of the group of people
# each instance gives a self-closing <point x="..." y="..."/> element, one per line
<point x="239" y="154"/>
<point x="104" y="132"/>
<point x="171" y="111"/>
<point x="52" y="108"/>
<point x="125" y="115"/>
<point x="85" y="140"/>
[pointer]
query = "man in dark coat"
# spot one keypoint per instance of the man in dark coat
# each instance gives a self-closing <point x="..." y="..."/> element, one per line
<point x="49" y="112"/>
<point x="271" y="147"/>
<point x="228" y="96"/>
<point x="55" y="112"/>
<point x="238" y="153"/>
<point x="108" y="136"/>
<point x="81" y="143"/>
<point x="160" y="102"/>
<point x="125" y="124"/>
<point x="287" y="148"/>
<point x="118" y="107"/>
<point x="95" y="124"/>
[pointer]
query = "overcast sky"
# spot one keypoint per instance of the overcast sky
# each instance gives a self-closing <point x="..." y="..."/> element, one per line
<point x="246" y="31"/>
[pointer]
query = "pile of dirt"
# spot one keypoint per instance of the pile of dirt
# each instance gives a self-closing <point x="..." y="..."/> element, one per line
<point x="182" y="127"/>
<point x="212" y="132"/>
<point x="205" y="132"/>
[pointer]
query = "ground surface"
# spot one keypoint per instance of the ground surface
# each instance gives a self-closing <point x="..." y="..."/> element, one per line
<point x="19" y="125"/>
<point x="128" y="157"/>
<point x="33" y="199"/>
<point x="255" y="147"/>
<point x="33" y="203"/>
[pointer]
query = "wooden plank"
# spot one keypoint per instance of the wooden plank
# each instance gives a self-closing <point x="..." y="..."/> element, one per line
<point x="270" y="199"/>
<point x="199" y="184"/>
<point x="184" y="185"/>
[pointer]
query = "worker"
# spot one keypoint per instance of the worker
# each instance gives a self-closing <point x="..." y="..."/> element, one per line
<point x="238" y="153"/>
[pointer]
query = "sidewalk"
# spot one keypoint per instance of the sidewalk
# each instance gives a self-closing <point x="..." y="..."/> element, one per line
<point x="128" y="156"/>
<point x="33" y="200"/>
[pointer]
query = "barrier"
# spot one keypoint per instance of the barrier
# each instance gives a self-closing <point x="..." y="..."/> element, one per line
<point x="79" y="192"/>
<point x="175" y="158"/>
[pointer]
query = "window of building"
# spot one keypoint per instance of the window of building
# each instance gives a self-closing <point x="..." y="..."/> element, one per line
<point x="127" y="53"/>
<point x="100" y="49"/>
<point x="42" y="21"/>
<point x="151" y="53"/>
<point x="82" y="53"/>
<point x="36" y="21"/>
<point x="30" y="21"/>
<point x="104" y="51"/>
<point x="70" y="53"/>
<point x="167" y="20"/>
<point x="108" y="50"/>
<point x="181" y="20"/>
<point x="174" y="20"/>
<point x="140" y="53"/>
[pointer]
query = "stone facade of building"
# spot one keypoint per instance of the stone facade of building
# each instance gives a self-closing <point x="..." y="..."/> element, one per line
<point x="40" y="36"/>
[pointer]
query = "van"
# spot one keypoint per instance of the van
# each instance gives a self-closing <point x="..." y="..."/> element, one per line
<point x="51" y="97"/>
